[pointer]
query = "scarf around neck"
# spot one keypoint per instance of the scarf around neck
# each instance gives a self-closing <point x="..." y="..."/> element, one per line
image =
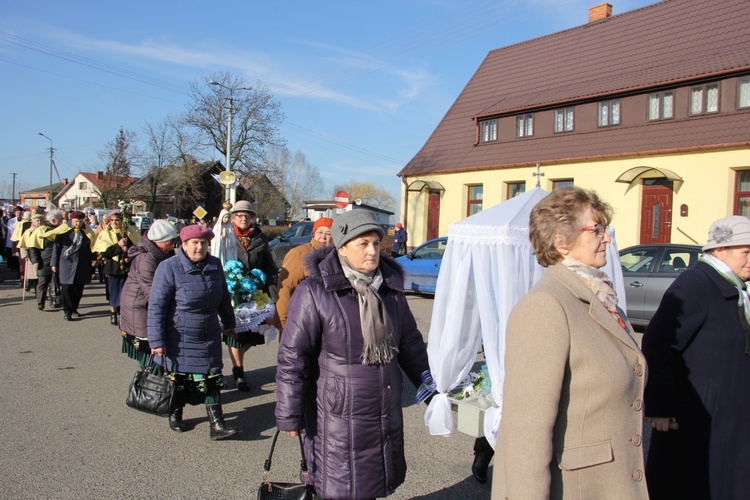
<point x="599" y="283"/>
<point x="77" y="241"/>
<point x="743" y="302"/>
<point x="244" y="235"/>
<point x="377" y="329"/>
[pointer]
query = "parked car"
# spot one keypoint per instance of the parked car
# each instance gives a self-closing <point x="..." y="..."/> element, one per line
<point x="296" y="235"/>
<point x="142" y="222"/>
<point x="422" y="265"/>
<point x="648" y="270"/>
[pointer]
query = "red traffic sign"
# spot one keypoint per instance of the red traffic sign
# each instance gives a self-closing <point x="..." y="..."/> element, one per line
<point x="342" y="199"/>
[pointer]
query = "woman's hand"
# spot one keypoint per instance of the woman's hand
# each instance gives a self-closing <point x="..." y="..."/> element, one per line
<point x="158" y="350"/>
<point x="231" y="333"/>
<point x="663" y="424"/>
<point x="294" y="434"/>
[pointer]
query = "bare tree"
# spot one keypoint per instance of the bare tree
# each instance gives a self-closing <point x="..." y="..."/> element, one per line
<point x="255" y="118"/>
<point x="297" y="179"/>
<point x="119" y="157"/>
<point x="369" y="193"/>
<point x="161" y="150"/>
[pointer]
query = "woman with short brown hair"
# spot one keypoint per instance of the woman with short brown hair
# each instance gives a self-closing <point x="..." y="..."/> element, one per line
<point x="574" y="375"/>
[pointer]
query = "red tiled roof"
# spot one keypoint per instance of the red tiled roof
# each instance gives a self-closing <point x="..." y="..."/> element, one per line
<point x="653" y="46"/>
<point x="102" y="183"/>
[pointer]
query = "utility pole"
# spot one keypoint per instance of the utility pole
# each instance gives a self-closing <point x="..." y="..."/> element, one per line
<point x="51" y="163"/>
<point x="13" y="193"/>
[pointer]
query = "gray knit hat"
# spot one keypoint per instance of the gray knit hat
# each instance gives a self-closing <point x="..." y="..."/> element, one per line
<point x="731" y="231"/>
<point x="353" y="223"/>
<point x="162" y="230"/>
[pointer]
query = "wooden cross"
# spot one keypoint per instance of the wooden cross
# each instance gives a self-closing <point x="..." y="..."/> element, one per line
<point x="539" y="176"/>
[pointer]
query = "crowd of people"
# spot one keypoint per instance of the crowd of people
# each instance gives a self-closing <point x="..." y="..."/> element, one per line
<point x="580" y="382"/>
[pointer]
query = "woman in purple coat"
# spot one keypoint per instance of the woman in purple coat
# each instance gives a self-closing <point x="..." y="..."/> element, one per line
<point x="145" y="256"/>
<point x="348" y="334"/>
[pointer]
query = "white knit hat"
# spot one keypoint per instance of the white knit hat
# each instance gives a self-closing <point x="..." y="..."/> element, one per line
<point x="162" y="230"/>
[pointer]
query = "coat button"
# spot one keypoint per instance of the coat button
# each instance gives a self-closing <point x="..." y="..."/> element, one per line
<point x="638" y="475"/>
<point x="639" y="370"/>
<point x="388" y="386"/>
<point x="637" y="405"/>
<point x="636" y="439"/>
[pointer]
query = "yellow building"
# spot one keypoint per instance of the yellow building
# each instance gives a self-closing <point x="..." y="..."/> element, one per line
<point x="651" y="108"/>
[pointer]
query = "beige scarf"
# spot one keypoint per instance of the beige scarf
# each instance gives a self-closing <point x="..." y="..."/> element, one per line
<point x="599" y="283"/>
<point x="377" y="329"/>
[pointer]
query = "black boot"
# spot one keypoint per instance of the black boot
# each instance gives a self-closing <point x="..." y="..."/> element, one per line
<point x="218" y="429"/>
<point x="483" y="454"/>
<point x="175" y="419"/>
<point x="113" y="318"/>
<point x="239" y="378"/>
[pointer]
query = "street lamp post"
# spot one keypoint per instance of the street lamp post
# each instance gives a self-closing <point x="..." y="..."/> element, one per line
<point x="51" y="164"/>
<point x="231" y="190"/>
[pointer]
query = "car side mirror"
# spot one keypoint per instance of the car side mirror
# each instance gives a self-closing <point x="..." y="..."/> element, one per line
<point x="410" y="256"/>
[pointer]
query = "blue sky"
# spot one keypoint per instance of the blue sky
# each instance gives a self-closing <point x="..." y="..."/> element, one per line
<point x="362" y="83"/>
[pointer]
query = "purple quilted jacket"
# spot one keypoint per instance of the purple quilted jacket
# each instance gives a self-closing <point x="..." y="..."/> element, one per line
<point x="350" y="412"/>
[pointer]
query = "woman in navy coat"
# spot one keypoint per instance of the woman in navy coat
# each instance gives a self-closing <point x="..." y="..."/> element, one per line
<point x="698" y="392"/>
<point x="188" y="296"/>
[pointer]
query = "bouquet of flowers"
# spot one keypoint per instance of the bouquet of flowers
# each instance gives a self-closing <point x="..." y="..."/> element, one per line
<point x="251" y="304"/>
<point x="475" y="385"/>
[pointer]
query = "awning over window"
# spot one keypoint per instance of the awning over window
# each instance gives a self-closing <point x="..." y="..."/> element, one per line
<point x="420" y="185"/>
<point x="635" y="173"/>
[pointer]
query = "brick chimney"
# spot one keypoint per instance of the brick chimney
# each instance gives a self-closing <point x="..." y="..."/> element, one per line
<point x="100" y="175"/>
<point x="65" y="181"/>
<point x="600" y="11"/>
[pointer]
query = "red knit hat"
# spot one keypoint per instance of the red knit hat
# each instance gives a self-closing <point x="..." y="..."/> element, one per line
<point x="76" y="214"/>
<point x="324" y="222"/>
<point x="196" y="231"/>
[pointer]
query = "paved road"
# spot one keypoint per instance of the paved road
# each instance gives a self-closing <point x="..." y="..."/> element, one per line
<point x="66" y="432"/>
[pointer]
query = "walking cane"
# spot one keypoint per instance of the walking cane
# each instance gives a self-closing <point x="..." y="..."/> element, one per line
<point x="25" y="278"/>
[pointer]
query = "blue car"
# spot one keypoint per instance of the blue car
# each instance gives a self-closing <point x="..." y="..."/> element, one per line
<point x="422" y="265"/>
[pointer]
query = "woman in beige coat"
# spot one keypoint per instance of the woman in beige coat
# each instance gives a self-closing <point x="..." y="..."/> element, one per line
<point x="574" y="375"/>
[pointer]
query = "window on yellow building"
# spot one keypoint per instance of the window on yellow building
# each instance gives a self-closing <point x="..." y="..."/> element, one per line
<point x="661" y="105"/>
<point x="562" y="183"/>
<point x="515" y="188"/>
<point x="704" y="99"/>
<point x="744" y="93"/>
<point x="488" y="130"/>
<point x="742" y="193"/>
<point x="474" y="200"/>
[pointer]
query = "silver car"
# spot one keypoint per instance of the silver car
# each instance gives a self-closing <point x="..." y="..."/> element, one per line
<point x="648" y="270"/>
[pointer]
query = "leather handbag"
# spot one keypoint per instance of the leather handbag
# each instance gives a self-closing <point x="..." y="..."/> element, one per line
<point x="150" y="392"/>
<point x="271" y="490"/>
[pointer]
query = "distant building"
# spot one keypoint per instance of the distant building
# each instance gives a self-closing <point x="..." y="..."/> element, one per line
<point x="40" y="197"/>
<point x="90" y="190"/>
<point x="314" y="210"/>
<point x="651" y="108"/>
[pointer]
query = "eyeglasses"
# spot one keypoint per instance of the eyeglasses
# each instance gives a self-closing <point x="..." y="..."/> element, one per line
<point x="598" y="229"/>
<point x="326" y="234"/>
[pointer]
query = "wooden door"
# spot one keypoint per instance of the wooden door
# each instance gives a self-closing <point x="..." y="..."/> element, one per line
<point x="656" y="212"/>
<point x="433" y="215"/>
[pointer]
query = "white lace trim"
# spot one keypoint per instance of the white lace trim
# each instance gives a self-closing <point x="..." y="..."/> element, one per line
<point x="489" y="235"/>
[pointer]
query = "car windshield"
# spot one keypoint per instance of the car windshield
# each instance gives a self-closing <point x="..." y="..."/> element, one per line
<point x="431" y="250"/>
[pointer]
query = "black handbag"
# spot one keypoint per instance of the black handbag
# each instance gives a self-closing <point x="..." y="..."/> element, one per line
<point x="150" y="392"/>
<point x="271" y="490"/>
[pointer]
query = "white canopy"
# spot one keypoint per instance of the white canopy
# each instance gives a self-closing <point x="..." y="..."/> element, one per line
<point x="487" y="267"/>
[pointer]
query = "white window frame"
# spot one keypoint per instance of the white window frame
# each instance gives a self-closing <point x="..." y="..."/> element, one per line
<point x="488" y="130"/>
<point x="609" y="113"/>
<point x="661" y="105"/>
<point x="564" y="120"/>
<point x="525" y="125"/>
<point x="474" y="205"/>
<point x="704" y="99"/>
